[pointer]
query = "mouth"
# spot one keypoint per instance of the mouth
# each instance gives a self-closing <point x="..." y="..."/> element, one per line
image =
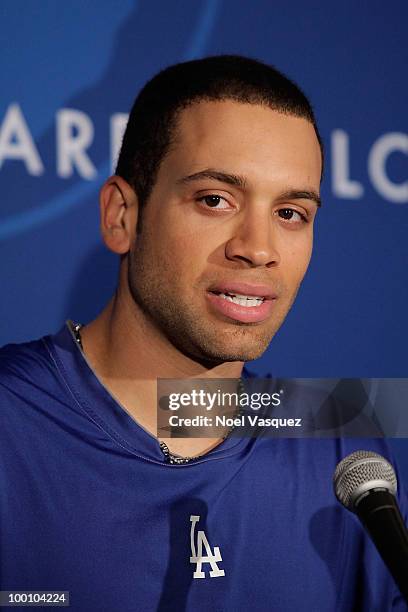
<point x="242" y="302"/>
<point x="247" y="301"/>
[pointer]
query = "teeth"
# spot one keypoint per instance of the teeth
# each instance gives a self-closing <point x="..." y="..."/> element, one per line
<point x="243" y="300"/>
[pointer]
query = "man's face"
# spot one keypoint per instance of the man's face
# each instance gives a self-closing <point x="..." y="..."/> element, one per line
<point x="231" y="214"/>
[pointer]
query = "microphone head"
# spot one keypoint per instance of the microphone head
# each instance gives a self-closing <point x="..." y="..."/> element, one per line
<point x="359" y="473"/>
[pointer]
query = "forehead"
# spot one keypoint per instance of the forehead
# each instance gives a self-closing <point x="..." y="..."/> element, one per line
<point x="251" y="139"/>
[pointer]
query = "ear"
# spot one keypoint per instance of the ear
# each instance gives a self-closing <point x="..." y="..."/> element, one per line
<point x="119" y="213"/>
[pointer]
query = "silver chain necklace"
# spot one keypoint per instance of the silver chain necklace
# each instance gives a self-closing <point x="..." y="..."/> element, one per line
<point x="172" y="458"/>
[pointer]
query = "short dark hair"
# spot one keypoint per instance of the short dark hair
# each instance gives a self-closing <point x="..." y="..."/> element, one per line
<point x="153" y="118"/>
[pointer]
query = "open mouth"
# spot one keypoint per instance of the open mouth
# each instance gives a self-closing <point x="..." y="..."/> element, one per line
<point x="242" y="301"/>
<point x="242" y="307"/>
<point x="248" y="301"/>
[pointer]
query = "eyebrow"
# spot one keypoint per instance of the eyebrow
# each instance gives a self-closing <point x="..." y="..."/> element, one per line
<point x="239" y="181"/>
<point x="216" y="175"/>
<point x="294" y="194"/>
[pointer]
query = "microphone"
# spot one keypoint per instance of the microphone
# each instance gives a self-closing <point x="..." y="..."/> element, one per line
<point x="366" y="484"/>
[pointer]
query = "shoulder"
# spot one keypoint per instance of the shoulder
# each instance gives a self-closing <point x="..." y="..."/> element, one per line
<point x="28" y="376"/>
<point x="23" y="362"/>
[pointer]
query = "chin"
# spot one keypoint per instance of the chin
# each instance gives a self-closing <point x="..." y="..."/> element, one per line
<point x="234" y="351"/>
<point x="242" y="355"/>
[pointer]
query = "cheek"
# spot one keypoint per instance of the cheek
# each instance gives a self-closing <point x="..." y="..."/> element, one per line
<point x="296" y="259"/>
<point x="175" y="255"/>
<point x="174" y="231"/>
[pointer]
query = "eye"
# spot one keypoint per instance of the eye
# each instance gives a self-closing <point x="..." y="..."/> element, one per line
<point x="291" y="216"/>
<point x="213" y="201"/>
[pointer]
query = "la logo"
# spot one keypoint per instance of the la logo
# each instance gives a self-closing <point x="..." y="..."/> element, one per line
<point x="197" y="556"/>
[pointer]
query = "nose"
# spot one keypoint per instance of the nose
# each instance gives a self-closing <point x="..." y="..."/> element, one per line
<point x="254" y="241"/>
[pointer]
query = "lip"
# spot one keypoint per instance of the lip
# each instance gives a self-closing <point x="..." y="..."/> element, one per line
<point x="243" y="314"/>
<point x="244" y="289"/>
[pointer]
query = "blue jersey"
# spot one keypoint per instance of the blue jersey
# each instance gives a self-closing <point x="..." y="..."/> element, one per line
<point x="90" y="505"/>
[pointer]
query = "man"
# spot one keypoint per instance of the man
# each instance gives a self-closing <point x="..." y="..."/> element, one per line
<point x="211" y="210"/>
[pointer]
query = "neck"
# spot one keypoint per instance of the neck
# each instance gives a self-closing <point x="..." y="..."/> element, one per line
<point x="122" y="341"/>
<point x="128" y="354"/>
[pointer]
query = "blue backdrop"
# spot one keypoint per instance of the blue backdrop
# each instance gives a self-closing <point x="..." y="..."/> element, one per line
<point x="70" y="72"/>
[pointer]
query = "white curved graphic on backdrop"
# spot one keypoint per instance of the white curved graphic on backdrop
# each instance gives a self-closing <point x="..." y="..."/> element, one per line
<point x="55" y="207"/>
